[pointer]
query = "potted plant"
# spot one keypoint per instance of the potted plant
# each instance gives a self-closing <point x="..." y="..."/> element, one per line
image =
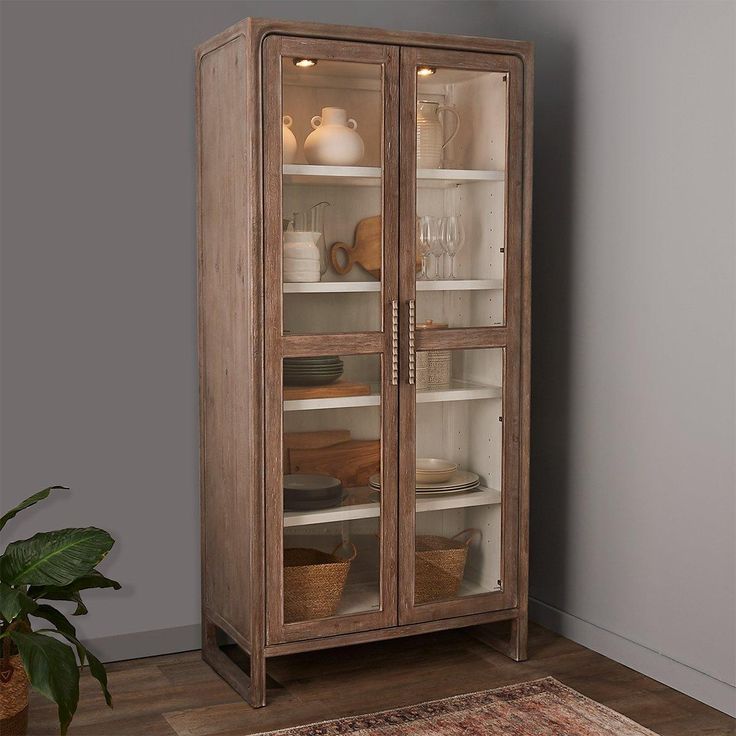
<point x="39" y="643"/>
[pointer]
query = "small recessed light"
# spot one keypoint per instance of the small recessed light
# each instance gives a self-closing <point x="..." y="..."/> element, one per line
<point x="425" y="71"/>
<point x="305" y="63"/>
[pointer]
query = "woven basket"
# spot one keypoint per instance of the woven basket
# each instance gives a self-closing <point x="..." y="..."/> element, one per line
<point x="440" y="565"/>
<point x="13" y="698"/>
<point x="314" y="582"/>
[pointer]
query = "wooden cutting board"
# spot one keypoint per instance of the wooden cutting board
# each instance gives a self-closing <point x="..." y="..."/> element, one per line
<point x="366" y="250"/>
<point x="311" y="441"/>
<point x="332" y="390"/>
<point x="352" y="462"/>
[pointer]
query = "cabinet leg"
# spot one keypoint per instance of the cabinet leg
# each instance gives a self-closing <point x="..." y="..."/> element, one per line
<point x="250" y="686"/>
<point x="257" y="695"/>
<point x="508" y="638"/>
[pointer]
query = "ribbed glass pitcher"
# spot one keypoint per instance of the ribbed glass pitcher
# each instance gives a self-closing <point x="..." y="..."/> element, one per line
<point x="430" y="133"/>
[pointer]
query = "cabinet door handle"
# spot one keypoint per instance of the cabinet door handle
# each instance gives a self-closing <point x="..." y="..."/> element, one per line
<point x="394" y="342"/>
<point x="412" y="352"/>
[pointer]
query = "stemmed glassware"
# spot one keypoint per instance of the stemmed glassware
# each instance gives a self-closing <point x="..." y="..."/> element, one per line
<point x="437" y="248"/>
<point x="427" y="237"/>
<point x="452" y="239"/>
<point x="436" y="237"/>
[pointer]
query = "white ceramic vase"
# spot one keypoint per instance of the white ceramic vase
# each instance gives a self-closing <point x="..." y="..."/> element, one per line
<point x="334" y="140"/>
<point x="288" y="140"/>
<point x="430" y="133"/>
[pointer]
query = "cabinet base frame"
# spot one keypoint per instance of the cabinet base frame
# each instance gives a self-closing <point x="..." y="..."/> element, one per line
<point x="251" y="683"/>
<point x="510" y="640"/>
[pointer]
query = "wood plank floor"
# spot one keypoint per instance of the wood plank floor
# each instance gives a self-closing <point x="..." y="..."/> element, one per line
<point x="179" y="695"/>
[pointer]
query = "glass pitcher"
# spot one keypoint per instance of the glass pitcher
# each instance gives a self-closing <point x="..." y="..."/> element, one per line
<point x="431" y="140"/>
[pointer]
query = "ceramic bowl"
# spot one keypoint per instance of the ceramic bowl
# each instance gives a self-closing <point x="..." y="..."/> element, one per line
<point x="434" y="470"/>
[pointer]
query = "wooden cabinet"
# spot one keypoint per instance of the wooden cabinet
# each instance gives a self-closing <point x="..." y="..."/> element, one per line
<point x="364" y="424"/>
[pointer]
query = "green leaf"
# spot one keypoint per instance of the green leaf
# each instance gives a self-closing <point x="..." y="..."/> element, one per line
<point x="30" y="501"/>
<point x="14" y="603"/>
<point x="52" y="670"/>
<point x="63" y="625"/>
<point x="96" y="668"/>
<point x="54" y="558"/>
<point x="70" y="592"/>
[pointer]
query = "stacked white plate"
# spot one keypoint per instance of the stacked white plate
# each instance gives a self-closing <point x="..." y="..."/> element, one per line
<point x="460" y="481"/>
<point x="301" y="258"/>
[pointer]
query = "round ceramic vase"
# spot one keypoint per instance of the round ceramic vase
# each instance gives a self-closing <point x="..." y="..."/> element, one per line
<point x="288" y="140"/>
<point x="334" y="140"/>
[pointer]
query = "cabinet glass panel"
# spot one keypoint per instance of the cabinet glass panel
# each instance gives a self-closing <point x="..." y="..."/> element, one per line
<point x="462" y="122"/>
<point x="332" y="179"/>
<point x="331" y="471"/>
<point x="459" y="440"/>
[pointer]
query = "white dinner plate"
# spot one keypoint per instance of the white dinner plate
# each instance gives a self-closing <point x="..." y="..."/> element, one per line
<point x="447" y="493"/>
<point x="460" y="480"/>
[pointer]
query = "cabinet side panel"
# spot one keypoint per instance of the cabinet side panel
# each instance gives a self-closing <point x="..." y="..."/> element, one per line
<point x="228" y="374"/>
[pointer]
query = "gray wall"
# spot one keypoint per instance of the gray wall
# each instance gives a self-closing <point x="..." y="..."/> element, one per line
<point x="633" y="548"/>
<point x="633" y="474"/>
<point x="99" y="384"/>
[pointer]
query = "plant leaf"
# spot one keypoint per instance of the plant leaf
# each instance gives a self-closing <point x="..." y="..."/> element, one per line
<point x="96" y="668"/>
<point x="93" y="579"/>
<point x="63" y="625"/>
<point x="30" y="501"/>
<point x="54" y="558"/>
<point x="52" y="670"/>
<point x="14" y="603"/>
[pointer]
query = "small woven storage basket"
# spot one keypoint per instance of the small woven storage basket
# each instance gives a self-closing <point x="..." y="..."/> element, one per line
<point x="314" y="582"/>
<point x="440" y="565"/>
<point x="13" y="698"/>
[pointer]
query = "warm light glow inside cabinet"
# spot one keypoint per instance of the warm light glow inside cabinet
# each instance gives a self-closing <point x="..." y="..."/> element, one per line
<point x="321" y="379"/>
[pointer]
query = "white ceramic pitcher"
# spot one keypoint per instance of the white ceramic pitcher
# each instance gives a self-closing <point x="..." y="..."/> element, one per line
<point x="430" y="133"/>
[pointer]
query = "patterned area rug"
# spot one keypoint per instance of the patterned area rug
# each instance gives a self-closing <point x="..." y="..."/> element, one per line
<point x="538" y="708"/>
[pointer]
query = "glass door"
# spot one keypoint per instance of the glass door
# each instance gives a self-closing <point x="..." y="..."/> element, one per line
<point x="331" y="357"/>
<point x="459" y="283"/>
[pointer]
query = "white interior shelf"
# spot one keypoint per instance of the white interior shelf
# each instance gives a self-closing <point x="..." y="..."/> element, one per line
<point x="458" y="390"/>
<point x="478" y="497"/>
<point x="452" y="177"/>
<point x="338" y="402"/>
<point x="371" y="175"/>
<point x="336" y="287"/>
<point x="460" y="285"/>
<point x="327" y="175"/>
<point x="332" y="287"/>
<point x="364" y="597"/>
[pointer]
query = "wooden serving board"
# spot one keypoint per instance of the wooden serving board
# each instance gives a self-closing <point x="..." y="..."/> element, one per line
<point x="366" y="250"/>
<point x="353" y="462"/>
<point x="311" y="441"/>
<point x="332" y="390"/>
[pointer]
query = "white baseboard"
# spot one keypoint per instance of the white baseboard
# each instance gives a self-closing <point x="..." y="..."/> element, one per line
<point x="146" y="643"/>
<point x="696" y="684"/>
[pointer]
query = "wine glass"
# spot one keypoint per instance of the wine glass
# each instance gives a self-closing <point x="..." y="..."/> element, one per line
<point x="436" y="246"/>
<point x="452" y="239"/>
<point x="426" y="236"/>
